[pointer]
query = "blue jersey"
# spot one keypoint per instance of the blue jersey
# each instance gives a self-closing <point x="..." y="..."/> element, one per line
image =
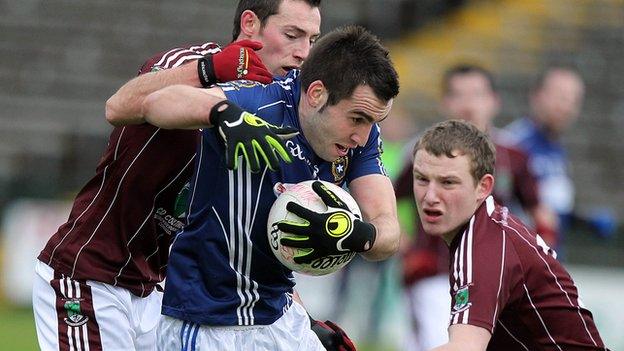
<point x="549" y="162"/>
<point x="221" y="269"/>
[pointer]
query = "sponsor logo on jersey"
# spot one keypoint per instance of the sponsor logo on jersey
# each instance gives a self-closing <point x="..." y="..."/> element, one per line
<point x="169" y="223"/>
<point x="297" y="152"/>
<point x="74" y="318"/>
<point x="339" y="168"/>
<point x="462" y="300"/>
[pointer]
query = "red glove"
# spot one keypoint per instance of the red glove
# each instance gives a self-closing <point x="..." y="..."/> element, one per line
<point x="332" y="336"/>
<point x="236" y="61"/>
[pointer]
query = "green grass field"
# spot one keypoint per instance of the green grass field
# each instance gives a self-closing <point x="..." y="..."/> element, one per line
<point x="17" y="329"/>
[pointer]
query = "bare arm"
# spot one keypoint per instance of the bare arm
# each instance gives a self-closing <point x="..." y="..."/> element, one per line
<point x="125" y="106"/>
<point x="181" y="107"/>
<point x="465" y="337"/>
<point x="375" y="196"/>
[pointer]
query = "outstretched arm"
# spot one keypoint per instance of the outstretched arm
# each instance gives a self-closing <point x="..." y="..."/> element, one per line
<point x="375" y="196"/>
<point x="237" y="61"/>
<point x="181" y="107"/>
<point x="125" y="106"/>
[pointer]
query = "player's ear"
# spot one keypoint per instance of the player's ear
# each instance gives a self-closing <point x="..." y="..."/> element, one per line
<point x="485" y="186"/>
<point x="317" y="94"/>
<point x="250" y="24"/>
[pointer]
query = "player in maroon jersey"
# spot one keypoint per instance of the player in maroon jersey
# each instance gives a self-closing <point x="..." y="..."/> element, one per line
<point x="469" y="93"/>
<point x="96" y="277"/>
<point x="508" y="290"/>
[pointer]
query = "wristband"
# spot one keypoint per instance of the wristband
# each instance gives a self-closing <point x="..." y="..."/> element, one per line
<point x="205" y="71"/>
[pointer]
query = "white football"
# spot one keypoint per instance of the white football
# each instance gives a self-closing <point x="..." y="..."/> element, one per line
<point x="303" y="194"/>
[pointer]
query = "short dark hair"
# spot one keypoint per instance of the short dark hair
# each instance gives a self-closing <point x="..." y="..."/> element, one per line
<point x="456" y="137"/>
<point x="263" y="9"/>
<point x="346" y="58"/>
<point x="463" y="69"/>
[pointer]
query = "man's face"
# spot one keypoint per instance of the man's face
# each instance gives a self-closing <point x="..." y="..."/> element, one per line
<point x="288" y="35"/>
<point x="333" y="130"/>
<point x="558" y="102"/>
<point x="445" y="192"/>
<point x="471" y="98"/>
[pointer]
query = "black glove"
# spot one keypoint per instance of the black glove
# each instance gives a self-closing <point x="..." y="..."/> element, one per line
<point x="250" y="136"/>
<point x="333" y="232"/>
<point x="332" y="336"/>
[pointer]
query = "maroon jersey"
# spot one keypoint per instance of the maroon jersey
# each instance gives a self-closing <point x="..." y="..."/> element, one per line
<point x="122" y="221"/>
<point x="505" y="279"/>
<point x="514" y="181"/>
<point x="428" y="256"/>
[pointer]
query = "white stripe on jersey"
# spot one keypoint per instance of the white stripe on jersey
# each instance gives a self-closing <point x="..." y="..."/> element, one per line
<point x="247" y="237"/>
<point x="537" y="252"/>
<point x="273" y="104"/>
<point x="147" y="218"/>
<point x="112" y="201"/>
<point x="176" y="53"/>
<point x="123" y="130"/>
<point x="540" y="317"/>
<point x="85" y="337"/>
<point x="80" y="216"/>
<point x="513" y="337"/>
<point x="232" y="247"/>
<point x="500" y="278"/>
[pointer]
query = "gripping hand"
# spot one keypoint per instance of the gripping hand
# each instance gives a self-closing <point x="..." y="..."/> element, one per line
<point x="334" y="232"/>
<point x="236" y="61"/>
<point x="250" y="136"/>
<point x="332" y="336"/>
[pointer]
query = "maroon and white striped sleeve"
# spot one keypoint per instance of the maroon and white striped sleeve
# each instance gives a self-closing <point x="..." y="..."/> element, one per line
<point x="178" y="56"/>
<point x="483" y="267"/>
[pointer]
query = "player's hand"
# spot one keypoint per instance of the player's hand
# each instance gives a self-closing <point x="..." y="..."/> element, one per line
<point x="236" y="61"/>
<point x="333" y="232"/>
<point x="332" y="336"/>
<point x="251" y="137"/>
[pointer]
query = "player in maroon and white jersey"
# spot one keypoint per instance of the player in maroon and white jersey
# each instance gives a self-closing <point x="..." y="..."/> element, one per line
<point x="469" y="93"/>
<point x="508" y="290"/>
<point x="96" y="277"/>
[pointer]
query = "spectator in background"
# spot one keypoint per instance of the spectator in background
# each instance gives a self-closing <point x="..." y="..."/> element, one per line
<point x="555" y="101"/>
<point x="468" y="93"/>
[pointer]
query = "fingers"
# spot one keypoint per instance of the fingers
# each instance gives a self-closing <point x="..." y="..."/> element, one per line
<point x="263" y="149"/>
<point x="252" y="44"/>
<point x="329" y="197"/>
<point x="306" y="257"/>
<point x="300" y="211"/>
<point x="249" y="156"/>
<point x="286" y="132"/>
<point x="299" y="243"/>
<point x="257" y="71"/>
<point x="278" y="149"/>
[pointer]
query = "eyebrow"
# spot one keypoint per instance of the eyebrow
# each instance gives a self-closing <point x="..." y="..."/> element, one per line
<point x="367" y="117"/>
<point x="302" y="31"/>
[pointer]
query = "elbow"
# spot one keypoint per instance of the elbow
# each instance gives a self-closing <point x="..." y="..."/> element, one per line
<point x="112" y="112"/>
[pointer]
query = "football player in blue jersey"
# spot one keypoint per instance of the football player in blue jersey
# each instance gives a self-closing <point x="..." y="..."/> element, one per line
<point x="225" y="289"/>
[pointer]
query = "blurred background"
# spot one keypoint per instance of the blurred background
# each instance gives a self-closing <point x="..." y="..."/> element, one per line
<point x="61" y="60"/>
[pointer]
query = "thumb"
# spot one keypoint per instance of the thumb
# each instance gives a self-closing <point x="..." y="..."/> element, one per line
<point x="286" y="132"/>
<point x="252" y="44"/>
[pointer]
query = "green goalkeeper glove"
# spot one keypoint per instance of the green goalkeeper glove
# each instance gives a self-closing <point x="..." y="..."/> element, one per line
<point x="333" y="232"/>
<point x="250" y="136"/>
